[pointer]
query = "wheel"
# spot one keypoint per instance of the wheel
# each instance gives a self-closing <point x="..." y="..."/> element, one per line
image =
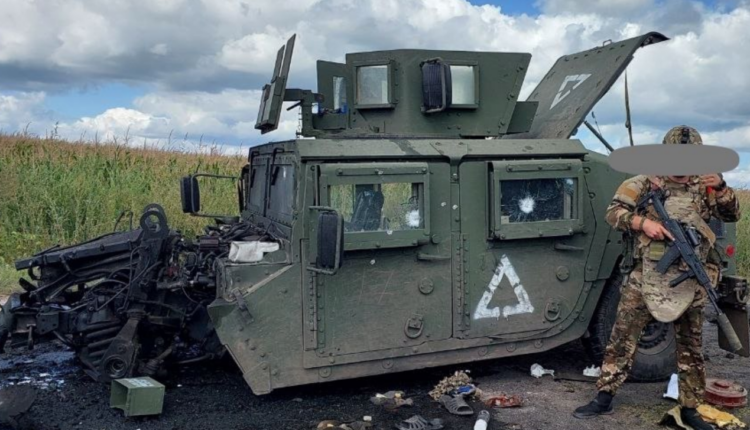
<point x="656" y="358"/>
<point x="4" y="328"/>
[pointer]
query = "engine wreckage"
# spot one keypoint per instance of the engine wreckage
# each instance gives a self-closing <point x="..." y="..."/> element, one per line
<point x="127" y="302"/>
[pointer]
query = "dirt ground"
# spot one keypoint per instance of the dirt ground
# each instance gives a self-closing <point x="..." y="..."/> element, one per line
<point x="214" y="396"/>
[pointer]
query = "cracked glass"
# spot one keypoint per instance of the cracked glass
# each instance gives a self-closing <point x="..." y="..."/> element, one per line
<point x="378" y="207"/>
<point x="535" y="200"/>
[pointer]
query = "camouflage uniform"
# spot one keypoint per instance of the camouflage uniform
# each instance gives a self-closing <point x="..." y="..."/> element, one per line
<point x="646" y="293"/>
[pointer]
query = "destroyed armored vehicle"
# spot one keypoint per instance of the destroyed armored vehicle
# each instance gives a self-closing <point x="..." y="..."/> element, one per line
<point x="434" y="219"/>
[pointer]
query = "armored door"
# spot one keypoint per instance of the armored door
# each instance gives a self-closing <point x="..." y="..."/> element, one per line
<point x="393" y="291"/>
<point x="526" y="241"/>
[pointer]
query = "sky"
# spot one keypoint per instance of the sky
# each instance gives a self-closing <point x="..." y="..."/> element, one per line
<point x="181" y="73"/>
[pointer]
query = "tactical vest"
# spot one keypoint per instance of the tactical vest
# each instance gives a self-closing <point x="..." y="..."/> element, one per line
<point x="685" y="203"/>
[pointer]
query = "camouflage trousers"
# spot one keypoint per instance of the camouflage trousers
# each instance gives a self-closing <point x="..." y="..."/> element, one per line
<point x="632" y="318"/>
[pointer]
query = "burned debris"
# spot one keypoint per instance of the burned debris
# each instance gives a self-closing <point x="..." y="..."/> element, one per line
<point x="127" y="302"/>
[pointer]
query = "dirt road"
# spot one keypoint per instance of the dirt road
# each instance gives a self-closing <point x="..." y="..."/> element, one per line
<point x="214" y="396"/>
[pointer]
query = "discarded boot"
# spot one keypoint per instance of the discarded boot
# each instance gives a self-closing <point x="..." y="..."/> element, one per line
<point x="456" y="405"/>
<point x="601" y="405"/>
<point x="691" y="417"/>
<point x="418" y="423"/>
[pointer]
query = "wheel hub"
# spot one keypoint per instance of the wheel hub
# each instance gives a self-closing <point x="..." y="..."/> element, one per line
<point x="654" y="333"/>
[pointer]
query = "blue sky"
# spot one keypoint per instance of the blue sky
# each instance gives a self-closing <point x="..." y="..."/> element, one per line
<point x="141" y="68"/>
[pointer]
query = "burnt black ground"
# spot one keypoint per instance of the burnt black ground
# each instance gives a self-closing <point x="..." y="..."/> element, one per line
<point x="214" y="396"/>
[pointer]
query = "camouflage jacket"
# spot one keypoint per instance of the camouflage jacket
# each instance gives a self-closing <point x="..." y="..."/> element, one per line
<point x="622" y="209"/>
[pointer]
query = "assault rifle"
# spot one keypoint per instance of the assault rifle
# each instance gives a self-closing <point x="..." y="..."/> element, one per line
<point x="683" y="245"/>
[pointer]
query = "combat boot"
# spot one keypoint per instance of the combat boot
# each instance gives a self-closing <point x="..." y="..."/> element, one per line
<point x="601" y="405"/>
<point x="691" y="417"/>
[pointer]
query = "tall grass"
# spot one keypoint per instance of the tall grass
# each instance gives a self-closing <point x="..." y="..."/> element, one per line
<point x="54" y="192"/>
<point x="743" y="235"/>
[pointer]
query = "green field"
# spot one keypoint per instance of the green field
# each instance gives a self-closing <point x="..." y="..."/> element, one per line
<point x="53" y="192"/>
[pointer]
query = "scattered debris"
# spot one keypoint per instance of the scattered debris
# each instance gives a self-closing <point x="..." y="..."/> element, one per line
<point x="538" y="371"/>
<point x="391" y="400"/>
<point x="137" y="396"/>
<point x="337" y="425"/>
<point x="367" y="419"/>
<point x="673" y="388"/>
<point x="14" y="402"/>
<point x="593" y="371"/>
<point x="725" y="393"/>
<point x="709" y="414"/>
<point x="452" y="384"/>
<point x="720" y="418"/>
<point x="418" y="423"/>
<point x="504" y="401"/>
<point x="482" y="420"/>
<point x="464" y="390"/>
<point x="328" y="424"/>
<point x="456" y="404"/>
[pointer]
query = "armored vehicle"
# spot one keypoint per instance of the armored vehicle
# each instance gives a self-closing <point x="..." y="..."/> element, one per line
<point x="434" y="219"/>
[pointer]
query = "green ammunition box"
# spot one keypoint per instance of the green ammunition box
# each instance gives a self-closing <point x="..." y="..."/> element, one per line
<point x="137" y="396"/>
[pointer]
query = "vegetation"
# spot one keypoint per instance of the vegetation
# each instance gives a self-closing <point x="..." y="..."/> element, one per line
<point x="53" y="192"/>
<point x="743" y="235"/>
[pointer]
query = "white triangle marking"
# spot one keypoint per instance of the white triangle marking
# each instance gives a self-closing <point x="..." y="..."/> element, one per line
<point x="524" y="306"/>
<point x="578" y="79"/>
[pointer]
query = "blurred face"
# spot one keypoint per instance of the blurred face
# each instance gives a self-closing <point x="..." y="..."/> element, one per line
<point x="680" y="179"/>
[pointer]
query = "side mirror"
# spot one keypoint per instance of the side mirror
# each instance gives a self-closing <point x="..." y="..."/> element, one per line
<point x="190" y="195"/>
<point x="329" y="240"/>
<point x="437" y="86"/>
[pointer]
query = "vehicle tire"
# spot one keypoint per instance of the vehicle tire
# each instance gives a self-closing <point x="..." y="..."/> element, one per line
<point x="656" y="358"/>
<point x="4" y="329"/>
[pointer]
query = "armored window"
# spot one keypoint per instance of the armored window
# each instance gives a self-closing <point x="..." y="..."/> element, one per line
<point x="464" y="85"/>
<point x="379" y="207"/>
<point x="339" y="94"/>
<point x="383" y="207"/>
<point x="536" y="198"/>
<point x="373" y="85"/>
<point x="281" y="193"/>
<point x="257" y="185"/>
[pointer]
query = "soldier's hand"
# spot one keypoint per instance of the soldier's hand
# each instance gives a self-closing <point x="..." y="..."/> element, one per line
<point x="712" y="180"/>
<point x="655" y="230"/>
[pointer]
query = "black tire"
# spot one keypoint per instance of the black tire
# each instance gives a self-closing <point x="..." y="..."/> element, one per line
<point x="656" y="358"/>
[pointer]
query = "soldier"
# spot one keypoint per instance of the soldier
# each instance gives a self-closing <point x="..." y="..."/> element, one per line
<point x="646" y="293"/>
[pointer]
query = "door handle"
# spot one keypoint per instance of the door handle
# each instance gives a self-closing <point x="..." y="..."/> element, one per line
<point x="564" y="247"/>
<point x="421" y="256"/>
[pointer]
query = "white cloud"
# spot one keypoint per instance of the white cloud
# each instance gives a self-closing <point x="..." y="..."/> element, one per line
<point x="223" y="117"/>
<point x="17" y="111"/>
<point x="207" y="59"/>
<point x="739" y="178"/>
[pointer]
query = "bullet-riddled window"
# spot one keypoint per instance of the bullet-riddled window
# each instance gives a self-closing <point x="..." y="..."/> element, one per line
<point x="533" y="200"/>
<point x="378" y="207"/>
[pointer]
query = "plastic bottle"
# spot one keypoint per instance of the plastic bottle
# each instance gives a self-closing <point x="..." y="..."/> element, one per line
<point x="482" y="420"/>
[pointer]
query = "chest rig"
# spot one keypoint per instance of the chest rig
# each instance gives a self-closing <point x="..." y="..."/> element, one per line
<point x="686" y="204"/>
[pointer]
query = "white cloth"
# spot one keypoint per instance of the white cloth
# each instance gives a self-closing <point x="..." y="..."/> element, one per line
<point x="250" y="252"/>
